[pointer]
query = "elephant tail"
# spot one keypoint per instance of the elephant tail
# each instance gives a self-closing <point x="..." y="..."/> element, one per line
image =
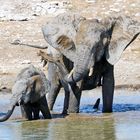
<point x="8" y="114"/>
<point x="96" y="105"/>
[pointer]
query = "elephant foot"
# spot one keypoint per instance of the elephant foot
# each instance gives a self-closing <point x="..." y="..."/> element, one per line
<point x="64" y="112"/>
<point x="50" y="106"/>
<point x="107" y="110"/>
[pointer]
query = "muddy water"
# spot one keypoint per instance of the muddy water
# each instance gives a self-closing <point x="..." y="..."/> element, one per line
<point x="122" y="124"/>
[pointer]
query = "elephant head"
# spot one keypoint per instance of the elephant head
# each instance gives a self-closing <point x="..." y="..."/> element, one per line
<point x="64" y="24"/>
<point x="92" y="41"/>
<point x="27" y="90"/>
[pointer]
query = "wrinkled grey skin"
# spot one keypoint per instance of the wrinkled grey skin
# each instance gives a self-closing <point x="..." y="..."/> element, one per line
<point x="29" y="92"/>
<point x="87" y="43"/>
<point x="97" y="44"/>
<point x="62" y="20"/>
<point x="55" y="82"/>
<point x="66" y="24"/>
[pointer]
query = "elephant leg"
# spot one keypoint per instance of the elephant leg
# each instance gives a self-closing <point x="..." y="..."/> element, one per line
<point x="66" y="102"/>
<point x="23" y="113"/>
<point x="36" y="113"/>
<point x="54" y="84"/>
<point x="108" y="88"/>
<point x="44" y="108"/>
<point x="52" y="95"/>
<point x="28" y="111"/>
<point x="75" y="97"/>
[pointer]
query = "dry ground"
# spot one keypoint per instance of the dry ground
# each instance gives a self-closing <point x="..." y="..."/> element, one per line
<point x="14" y="58"/>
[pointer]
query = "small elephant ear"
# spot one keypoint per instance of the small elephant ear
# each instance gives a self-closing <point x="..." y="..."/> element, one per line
<point x="35" y="84"/>
<point x="121" y="38"/>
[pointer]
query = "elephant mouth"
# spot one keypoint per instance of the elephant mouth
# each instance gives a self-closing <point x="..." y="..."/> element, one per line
<point x="74" y="74"/>
<point x="20" y="102"/>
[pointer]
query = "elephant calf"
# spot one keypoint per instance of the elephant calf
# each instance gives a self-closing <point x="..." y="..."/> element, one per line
<point x="29" y="92"/>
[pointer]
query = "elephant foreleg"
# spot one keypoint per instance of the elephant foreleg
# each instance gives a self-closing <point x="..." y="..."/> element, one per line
<point x="28" y="111"/>
<point x="66" y="102"/>
<point x="23" y="113"/>
<point x="75" y="96"/>
<point x="36" y="113"/>
<point x="108" y="88"/>
<point x="44" y="108"/>
<point x="52" y="95"/>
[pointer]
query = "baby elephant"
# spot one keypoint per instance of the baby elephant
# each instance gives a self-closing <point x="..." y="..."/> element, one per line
<point x="29" y="91"/>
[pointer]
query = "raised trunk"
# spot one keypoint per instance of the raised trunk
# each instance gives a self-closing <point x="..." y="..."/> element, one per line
<point x="7" y="116"/>
<point x="18" y="42"/>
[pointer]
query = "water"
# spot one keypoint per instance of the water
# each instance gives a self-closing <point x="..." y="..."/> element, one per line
<point x="122" y="124"/>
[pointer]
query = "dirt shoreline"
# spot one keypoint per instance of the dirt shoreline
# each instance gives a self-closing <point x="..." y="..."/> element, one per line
<point x="129" y="87"/>
<point x="14" y="58"/>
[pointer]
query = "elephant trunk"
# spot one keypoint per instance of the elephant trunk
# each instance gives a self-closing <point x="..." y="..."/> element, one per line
<point x="82" y="65"/>
<point x="8" y="114"/>
<point x="76" y="75"/>
<point x="18" y="42"/>
<point x="84" y="61"/>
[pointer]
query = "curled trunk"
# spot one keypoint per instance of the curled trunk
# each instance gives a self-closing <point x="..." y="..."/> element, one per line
<point x="7" y="116"/>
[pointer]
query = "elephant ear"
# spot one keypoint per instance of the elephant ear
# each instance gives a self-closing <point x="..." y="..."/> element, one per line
<point x="66" y="47"/>
<point x="35" y="83"/>
<point x="124" y="32"/>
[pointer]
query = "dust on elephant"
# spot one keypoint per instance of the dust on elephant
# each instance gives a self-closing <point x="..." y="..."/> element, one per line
<point x="29" y="91"/>
<point x="95" y="45"/>
<point x="70" y="20"/>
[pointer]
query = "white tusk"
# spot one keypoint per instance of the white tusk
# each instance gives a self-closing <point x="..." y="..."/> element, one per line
<point x="90" y="71"/>
<point x="71" y="72"/>
<point x="19" y="101"/>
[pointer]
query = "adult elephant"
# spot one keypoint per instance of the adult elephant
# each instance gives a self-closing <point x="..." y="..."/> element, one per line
<point x="29" y="91"/>
<point x="96" y="45"/>
<point x="62" y="24"/>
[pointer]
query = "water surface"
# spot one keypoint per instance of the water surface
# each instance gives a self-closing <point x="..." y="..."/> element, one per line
<point x="122" y="124"/>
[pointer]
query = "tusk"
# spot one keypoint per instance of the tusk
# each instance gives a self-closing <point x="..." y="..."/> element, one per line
<point x="19" y="102"/>
<point x="71" y="72"/>
<point x="90" y="71"/>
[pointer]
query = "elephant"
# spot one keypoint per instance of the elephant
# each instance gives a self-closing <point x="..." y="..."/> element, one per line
<point x="29" y="92"/>
<point x="94" y="47"/>
<point x="55" y="82"/>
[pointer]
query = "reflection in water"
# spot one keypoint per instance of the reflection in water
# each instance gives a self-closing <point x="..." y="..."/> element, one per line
<point x="122" y="124"/>
<point x="60" y="129"/>
<point x="83" y="129"/>
<point x="127" y="126"/>
<point x="115" y="126"/>
<point x="10" y="131"/>
<point x="37" y="130"/>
